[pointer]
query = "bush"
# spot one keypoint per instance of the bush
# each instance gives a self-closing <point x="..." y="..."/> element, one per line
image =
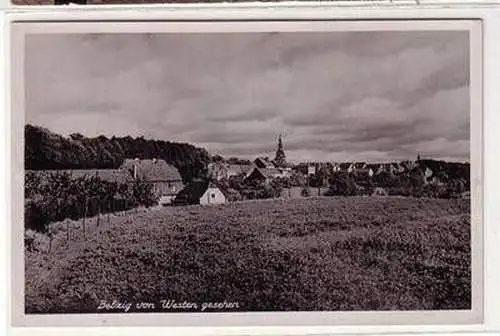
<point x="57" y="196"/>
<point x="343" y="186"/>
<point x="233" y="195"/>
<point x="305" y="192"/>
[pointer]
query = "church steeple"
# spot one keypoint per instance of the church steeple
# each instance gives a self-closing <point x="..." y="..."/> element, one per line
<point x="280" y="159"/>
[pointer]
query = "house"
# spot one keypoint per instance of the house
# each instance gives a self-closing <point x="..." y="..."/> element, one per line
<point x="311" y="170"/>
<point x="408" y="165"/>
<point x="344" y="166"/>
<point x="238" y="169"/>
<point x="109" y="175"/>
<point x="285" y="172"/>
<point x="380" y="192"/>
<point x="399" y="168"/>
<point x="265" y="175"/>
<point x="219" y="171"/>
<point x="385" y="168"/>
<point x="165" y="179"/>
<point x="360" y="165"/>
<point x="335" y="168"/>
<point x="263" y="163"/>
<point x="201" y="192"/>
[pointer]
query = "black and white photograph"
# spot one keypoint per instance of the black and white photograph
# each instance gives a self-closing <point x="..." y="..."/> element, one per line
<point x="249" y="170"/>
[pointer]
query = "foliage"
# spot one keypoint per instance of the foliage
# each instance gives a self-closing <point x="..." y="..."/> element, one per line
<point x="56" y="196"/>
<point x="317" y="254"/>
<point x="47" y="150"/>
<point x="305" y="192"/>
<point x="261" y="191"/>
<point x="342" y="184"/>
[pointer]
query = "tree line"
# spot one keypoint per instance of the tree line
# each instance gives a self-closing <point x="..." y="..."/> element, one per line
<point x="57" y="196"/>
<point x="47" y="150"/>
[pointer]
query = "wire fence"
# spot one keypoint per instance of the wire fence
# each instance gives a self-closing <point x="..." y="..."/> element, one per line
<point x="98" y="217"/>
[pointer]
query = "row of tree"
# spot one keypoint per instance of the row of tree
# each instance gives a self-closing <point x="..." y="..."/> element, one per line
<point x="403" y="185"/>
<point x="47" y="150"/>
<point x="57" y="196"/>
<point x="348" y="185"/>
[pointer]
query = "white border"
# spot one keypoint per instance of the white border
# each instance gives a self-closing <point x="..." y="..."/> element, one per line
<point x="265" y="4"/>
<point x="491" y="34"/>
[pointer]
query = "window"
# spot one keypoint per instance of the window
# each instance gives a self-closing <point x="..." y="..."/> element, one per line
<point x="213" y="195"/>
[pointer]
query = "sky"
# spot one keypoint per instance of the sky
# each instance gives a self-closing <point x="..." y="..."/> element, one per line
<point x="335" y="96"/>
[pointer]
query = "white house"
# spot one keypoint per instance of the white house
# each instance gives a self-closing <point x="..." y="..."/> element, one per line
<point x="212" y="195"/>
<point x="311" y="170"/>
<point x="201" y="192"/>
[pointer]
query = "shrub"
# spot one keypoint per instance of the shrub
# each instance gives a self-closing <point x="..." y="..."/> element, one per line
<point x="343" y="186"/>
<point x="305" y="192"/>
<point x="57" y="196"/>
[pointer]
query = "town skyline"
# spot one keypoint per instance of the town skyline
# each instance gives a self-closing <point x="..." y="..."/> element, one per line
<point x="271" y="154"/>
<point x="336" y="96"/>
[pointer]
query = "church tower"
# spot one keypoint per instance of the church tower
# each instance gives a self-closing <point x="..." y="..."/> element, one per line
<point x="280" y="159"/>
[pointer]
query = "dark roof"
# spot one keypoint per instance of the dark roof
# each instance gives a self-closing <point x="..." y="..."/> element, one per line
<point x="266" y="172"/>
<point x="359" y="165"/>
<point x="344" y="165"/>
<point x="195" y="190"/>
<point x="109" y="175"/>
<point x="240" y="169"/>
<point x="152" y="170"/>
<point x="264" y="161"/>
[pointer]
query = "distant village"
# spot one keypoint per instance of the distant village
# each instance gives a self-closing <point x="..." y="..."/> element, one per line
<point x="277" y="178"/>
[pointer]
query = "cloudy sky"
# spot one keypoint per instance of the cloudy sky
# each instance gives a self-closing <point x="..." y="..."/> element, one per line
<point x="371" y="96"/>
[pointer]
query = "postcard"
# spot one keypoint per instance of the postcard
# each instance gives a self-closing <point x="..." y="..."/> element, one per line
<point x="247" y="173"/>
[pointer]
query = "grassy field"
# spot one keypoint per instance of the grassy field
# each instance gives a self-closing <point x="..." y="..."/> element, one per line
<point x="354" y="253"/>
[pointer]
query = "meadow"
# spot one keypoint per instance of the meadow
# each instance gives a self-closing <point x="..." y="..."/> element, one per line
<point x="318" y="253"/>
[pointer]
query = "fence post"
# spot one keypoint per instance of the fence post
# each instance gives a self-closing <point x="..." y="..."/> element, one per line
<point x="50" y="238"/>
<point x="85" y="215"/>
<point x="67" y="229"/>
<point x="98" y="213"/>
<point x="109" y="210"/>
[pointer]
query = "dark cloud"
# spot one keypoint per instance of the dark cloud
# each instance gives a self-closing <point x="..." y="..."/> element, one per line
<point x="335" y="96"/>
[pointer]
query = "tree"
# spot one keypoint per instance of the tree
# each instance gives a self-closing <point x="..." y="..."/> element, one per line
<point x="342" y="184"/>
<point x="47" y="150"/>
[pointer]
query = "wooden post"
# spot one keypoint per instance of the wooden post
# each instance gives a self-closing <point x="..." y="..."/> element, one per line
<point x="109" y="211"/>
<point x="98" y="213"/>
<point x="85" y="215"/>
<point x="67" y="229"/>
<point x="50" y="238"/>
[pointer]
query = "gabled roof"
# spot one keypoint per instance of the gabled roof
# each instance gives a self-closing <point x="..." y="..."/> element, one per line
<point x="359" y="165"/>
<point x="152" y="170"/>
<point x="265" y="162"/>
<point x="195" y="190"/>
<point x="109" y="175"/>
<point x="267" y="173"/>
<point x="239" y="169"/>
<point x="270" y="172"/>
